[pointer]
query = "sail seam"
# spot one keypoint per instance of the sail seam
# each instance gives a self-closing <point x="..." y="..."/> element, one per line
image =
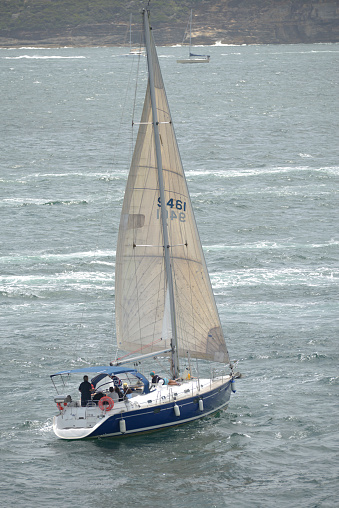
<point x="162" y="246"/>
<point x="149" y="123"/>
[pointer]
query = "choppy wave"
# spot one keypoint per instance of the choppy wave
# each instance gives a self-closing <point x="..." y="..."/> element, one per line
<point x="283" y="277"/>
<point x="42" y="57"/>
<point x="20" y="259"/>
<point x="219" y="43"/>
<point x="79" y="280"/>
<point x="117" y="175"/>
<point x="39" y="202"/>
<point x="47" y="286"/>
<point x="332" y="170"/>
<point x="266" y="245"/>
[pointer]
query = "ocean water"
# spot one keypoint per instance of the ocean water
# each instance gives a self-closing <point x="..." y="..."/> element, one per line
<point x="258" y="134"/>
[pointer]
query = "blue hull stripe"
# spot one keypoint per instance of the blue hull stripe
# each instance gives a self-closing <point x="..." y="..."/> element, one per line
<point x="163" y="415"/>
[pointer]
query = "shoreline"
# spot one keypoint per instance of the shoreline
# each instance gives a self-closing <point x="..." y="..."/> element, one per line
<point x="63" y="44"/>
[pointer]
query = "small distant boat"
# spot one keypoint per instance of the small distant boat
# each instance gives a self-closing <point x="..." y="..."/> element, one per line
<point x="132" y="50"/>
<point x="164" y="302"/>
<point x="192" y="57"/>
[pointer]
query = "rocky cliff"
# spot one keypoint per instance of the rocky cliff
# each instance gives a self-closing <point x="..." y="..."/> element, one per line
<point x="227" y="21"/>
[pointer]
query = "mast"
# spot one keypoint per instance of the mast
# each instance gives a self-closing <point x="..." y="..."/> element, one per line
<point x="130" y="32"/>
<point x="189" y="53"/>
<point x="174" y="347"/>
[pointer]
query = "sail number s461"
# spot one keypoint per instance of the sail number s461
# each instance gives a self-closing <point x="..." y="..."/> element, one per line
<point x="178" y="209"/>
<point x="174" y="203"/>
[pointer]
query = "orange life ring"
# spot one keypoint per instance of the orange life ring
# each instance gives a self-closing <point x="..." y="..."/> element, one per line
<point x="59" y="406"/>
<point x="106" y="403"/>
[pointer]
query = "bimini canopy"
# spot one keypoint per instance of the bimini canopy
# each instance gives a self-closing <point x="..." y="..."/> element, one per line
<point x="98" y="370"/>
<point x="108" y="370"/>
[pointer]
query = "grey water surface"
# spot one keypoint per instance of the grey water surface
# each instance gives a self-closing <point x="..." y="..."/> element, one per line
<point x="258" y="133"/>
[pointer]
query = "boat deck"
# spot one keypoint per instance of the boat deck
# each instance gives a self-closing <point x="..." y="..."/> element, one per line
<point x="77" y="421"/>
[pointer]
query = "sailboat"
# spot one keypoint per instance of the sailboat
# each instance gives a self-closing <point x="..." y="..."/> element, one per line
<point x="164" y="303"/>
<point x="132" y="50"/>
<point x="192" y="57"/>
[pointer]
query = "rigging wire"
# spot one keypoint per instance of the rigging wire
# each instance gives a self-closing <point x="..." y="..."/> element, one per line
<point x="109" y="178"/>
<point x="132" y="141"/>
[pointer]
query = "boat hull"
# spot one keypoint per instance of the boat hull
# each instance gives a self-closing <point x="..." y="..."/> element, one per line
<point x="193" y="60"/>
<point x="131" y="420"/>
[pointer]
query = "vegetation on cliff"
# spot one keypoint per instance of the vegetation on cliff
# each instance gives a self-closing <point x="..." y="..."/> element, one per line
<point x="87" y="22"/>
<point x="39" y="15"/>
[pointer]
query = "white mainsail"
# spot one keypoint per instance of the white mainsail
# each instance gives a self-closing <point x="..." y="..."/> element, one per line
<point x="141" y="281"/>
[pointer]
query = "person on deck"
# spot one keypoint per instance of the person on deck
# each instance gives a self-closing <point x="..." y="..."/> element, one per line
<point x="113" y="394"/>
<point x="156" y="379"/>
<point x="97" y="396"/>
<point x="127" y="391"/>
<point x="119" y="392"/>
<point x="85" y="389"/>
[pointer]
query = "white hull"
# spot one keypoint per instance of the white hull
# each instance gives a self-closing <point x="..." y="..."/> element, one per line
<point x="193" y="60"/>
<point x="136" y="52"/>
